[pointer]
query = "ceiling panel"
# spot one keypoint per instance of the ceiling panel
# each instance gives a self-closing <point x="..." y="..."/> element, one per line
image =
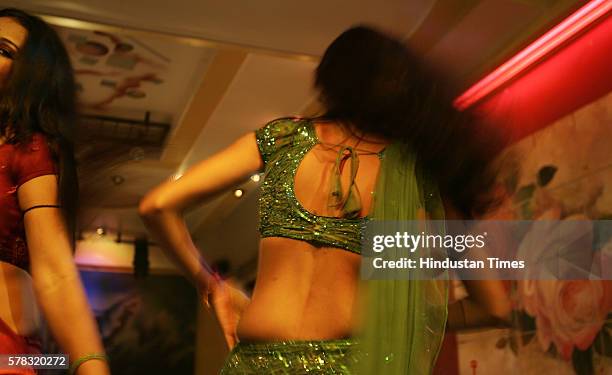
<point x="122" y="75"/>
<point x="296" y="26"/>
<point x="265" y="87"/>
<point x="486" y="29"/>
<point x="489" y="34"/>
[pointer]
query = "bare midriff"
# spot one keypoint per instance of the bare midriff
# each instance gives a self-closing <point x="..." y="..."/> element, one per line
<point x="18" y="308"/>
<point x="301" y="293"/>
<point x="305" y="292"/>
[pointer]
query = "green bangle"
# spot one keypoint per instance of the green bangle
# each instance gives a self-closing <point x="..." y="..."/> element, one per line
<point x="75" y="365"/>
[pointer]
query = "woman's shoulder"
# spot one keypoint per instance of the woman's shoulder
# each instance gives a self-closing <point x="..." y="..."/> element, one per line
<point x="34" y="142"/>
<point x="32" y="158"/>
<point x="278" y="133"/>
<point x="283" y="125"/>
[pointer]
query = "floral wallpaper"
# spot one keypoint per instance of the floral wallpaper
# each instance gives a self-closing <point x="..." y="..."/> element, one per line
<point x="563" y="172"/>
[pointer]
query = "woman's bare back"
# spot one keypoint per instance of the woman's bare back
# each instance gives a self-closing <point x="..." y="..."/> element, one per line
<point x="303" y="291"/>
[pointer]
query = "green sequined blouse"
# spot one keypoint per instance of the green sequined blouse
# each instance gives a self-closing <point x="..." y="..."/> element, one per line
<point x="283" y="143"/>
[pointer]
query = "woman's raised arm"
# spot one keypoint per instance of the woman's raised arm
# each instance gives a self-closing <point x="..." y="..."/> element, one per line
<point x="161" y="209"/>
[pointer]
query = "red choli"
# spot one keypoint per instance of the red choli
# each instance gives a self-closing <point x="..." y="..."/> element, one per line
<point x="19" y="164"/>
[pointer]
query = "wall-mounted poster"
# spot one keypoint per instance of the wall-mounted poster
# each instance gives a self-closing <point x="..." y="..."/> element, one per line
<point x="148" y="324"/>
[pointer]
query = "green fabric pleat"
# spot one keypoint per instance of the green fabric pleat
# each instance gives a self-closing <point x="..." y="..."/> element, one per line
<point x="404" y="320"/>
<point x="349" y="204"/>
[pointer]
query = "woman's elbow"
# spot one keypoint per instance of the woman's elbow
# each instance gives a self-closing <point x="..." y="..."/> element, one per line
<point x="146" y="207"/>
<point x="150" y="206"/>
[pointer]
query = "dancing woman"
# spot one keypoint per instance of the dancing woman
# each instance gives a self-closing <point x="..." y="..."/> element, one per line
<point x="38" y="189"/>
<point x="390" y="146"/>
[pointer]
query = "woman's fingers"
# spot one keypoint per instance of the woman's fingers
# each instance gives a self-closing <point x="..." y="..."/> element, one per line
<point x="231" y="340"/>
<point x="228" y="303"/>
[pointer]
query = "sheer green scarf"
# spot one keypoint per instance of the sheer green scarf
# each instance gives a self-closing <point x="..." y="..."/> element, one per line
<point x="404" y="320"/>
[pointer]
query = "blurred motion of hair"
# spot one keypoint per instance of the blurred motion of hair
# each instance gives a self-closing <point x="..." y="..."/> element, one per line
<point x="373" y="83"/>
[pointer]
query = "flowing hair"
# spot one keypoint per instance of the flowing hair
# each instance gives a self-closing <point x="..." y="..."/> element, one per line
<point x="377" y="85"/>
<point x="39" y="96"/>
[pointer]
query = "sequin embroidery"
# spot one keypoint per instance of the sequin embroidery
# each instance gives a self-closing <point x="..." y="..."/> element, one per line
<point x="283" y="144"/>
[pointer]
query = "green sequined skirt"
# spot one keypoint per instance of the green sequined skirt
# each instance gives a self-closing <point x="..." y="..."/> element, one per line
<point x="293" y="357"/>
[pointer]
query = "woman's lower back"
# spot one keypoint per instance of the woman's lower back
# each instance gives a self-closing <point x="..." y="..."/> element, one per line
<point x="302" y="293"/>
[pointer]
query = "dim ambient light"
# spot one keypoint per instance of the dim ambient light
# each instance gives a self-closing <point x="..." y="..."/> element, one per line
<point x="536" y="51"/>
<point x="117" y="179"/>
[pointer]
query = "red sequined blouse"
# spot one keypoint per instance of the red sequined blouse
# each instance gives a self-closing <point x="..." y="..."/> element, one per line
<point x="19" y="163"/>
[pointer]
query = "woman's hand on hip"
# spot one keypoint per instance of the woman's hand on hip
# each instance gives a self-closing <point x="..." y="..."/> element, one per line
<point x="228" y="302"/>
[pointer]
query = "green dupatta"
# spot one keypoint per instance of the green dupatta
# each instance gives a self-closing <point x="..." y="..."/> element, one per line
<point x="404" y="320"/>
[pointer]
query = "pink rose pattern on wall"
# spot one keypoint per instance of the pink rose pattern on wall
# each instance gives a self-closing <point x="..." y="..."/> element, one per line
<point x="569" y="314"/>
<point x="564" y="172"/>
<point x="561" y="327"/>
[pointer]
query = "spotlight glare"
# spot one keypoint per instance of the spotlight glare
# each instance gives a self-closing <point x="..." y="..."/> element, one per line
<point x="255" y="177"/>
<point x="238" y="193"/>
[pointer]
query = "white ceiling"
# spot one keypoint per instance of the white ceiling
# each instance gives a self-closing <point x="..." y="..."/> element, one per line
<point x="265" y="87"/>
<point x="295" y="26"/>
<point x="487" y="28"/>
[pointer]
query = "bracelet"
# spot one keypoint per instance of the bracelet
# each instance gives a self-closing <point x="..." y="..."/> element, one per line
<point x="39" y="206"/>
<point x="75" y="365"/>
<point x="217" y="278"/>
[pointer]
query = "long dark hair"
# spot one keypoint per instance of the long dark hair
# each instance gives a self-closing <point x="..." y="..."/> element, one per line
<point x="39" y="96"/>
<point x="373" y="82"/>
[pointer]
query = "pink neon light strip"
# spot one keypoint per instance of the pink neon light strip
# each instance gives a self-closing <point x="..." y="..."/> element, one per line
<point x="569" y="27"/>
